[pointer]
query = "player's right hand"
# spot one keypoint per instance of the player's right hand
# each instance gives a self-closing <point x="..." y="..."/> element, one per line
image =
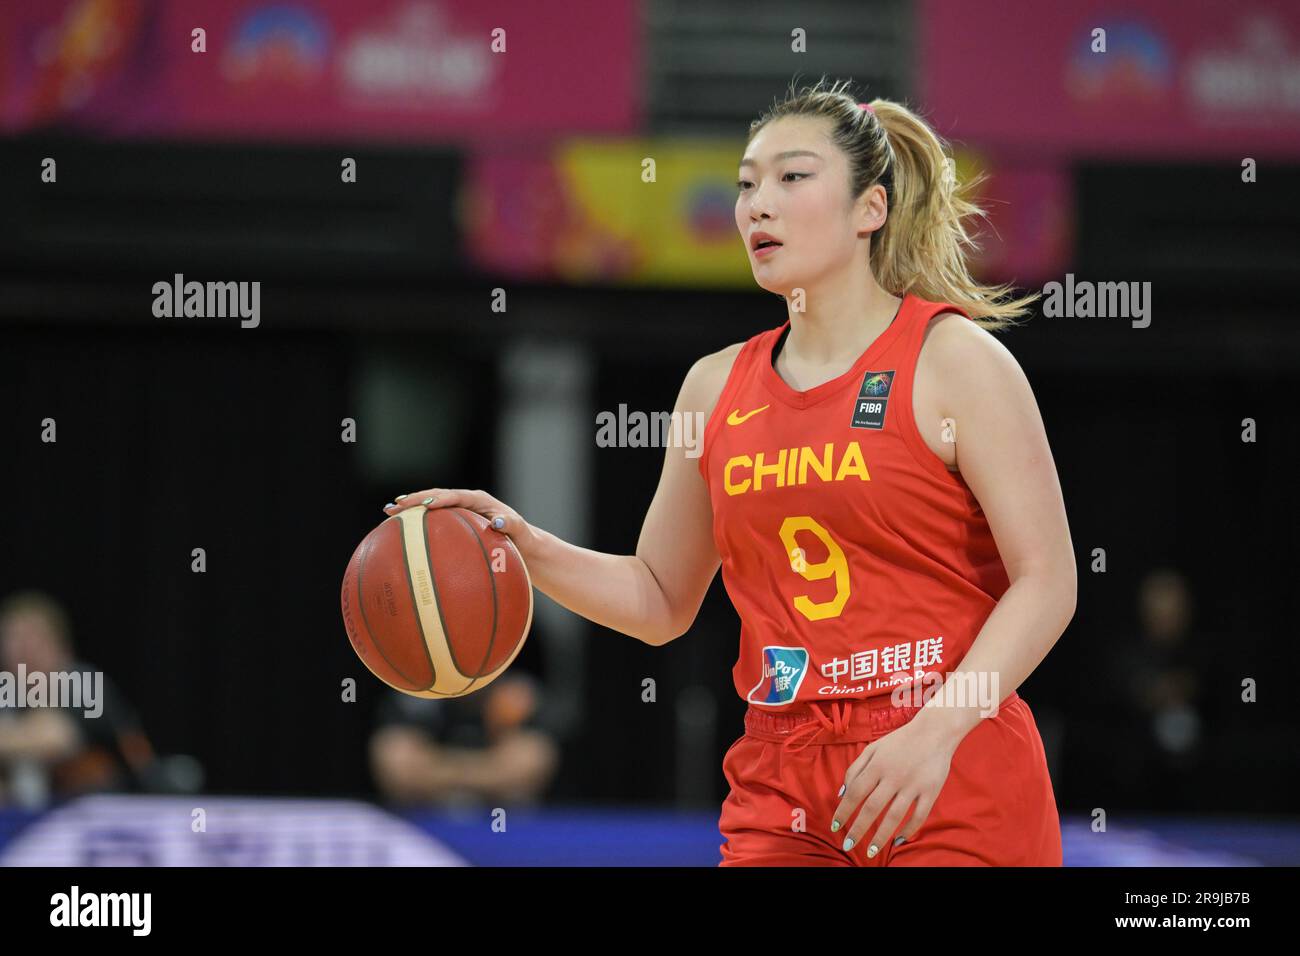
<point x="500" y="515"/>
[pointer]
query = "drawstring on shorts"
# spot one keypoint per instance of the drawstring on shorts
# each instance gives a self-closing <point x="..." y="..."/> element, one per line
<point x="837" y="724"/>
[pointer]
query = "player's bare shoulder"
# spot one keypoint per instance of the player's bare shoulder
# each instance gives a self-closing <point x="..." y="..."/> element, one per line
<point x="958" y="364"/>
<point x="956" y="354"/>
<point x="707" y="377"/>
<point x="950" y="334"/>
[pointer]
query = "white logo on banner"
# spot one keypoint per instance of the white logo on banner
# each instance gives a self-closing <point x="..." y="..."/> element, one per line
<point x="120" y="830"/>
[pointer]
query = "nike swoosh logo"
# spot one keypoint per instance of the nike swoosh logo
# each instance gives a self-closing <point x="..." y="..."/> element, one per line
<point x="735" y="418"/>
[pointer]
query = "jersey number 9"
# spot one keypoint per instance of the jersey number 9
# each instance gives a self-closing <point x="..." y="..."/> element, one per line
<point x="836" y="563"/>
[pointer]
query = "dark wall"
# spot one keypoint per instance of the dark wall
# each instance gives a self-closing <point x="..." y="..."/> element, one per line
<point x="226" y="441"/>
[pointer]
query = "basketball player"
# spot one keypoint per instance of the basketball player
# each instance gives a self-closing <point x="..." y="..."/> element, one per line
<point x="877" y="486"/>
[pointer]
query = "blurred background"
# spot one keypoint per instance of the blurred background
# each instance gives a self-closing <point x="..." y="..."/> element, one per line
<point x="461" y="267"/>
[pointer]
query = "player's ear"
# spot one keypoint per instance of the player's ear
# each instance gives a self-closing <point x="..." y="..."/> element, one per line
<point x="871" y="210"/>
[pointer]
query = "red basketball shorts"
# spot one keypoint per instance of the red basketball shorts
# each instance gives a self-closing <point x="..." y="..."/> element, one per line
<point x="996" y="808"/>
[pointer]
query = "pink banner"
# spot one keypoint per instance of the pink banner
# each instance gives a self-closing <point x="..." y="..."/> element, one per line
<point x="422" y="70"/>
<point x="1030" y="228"/>
<point x="1146" y="78"/>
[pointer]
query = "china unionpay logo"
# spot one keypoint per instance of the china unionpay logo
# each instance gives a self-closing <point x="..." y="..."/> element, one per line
<point x="783" y="671"/>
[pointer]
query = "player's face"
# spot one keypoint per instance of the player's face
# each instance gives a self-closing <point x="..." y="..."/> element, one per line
<point x="801" y="200"/>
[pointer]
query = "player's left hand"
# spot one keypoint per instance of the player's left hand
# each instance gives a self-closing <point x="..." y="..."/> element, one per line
<point x="908" y="765"/>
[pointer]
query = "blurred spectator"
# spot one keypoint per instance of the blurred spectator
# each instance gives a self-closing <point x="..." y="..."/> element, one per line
<point x="47" y="752"/>
<point x="1161" y="676"/>
<point x="488" y="746"/>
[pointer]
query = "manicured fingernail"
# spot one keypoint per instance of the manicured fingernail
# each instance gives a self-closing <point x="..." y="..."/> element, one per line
<point x="498" y="522"/>
<point x="848" y="844"/>
<point x="427" y="501"/>
<point x="843" y="787"/>
<point x="399" y="497"/>
<point x="389" y="505"/>
<point x="835" y="825"/>
<point x="872" y="851"/>
<point x="899" y="840"/>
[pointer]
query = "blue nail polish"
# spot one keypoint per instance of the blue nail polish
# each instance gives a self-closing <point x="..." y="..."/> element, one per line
<point x="848" y="844"/>
<point x="498" y="522"/>
<point x="843" y="787"/>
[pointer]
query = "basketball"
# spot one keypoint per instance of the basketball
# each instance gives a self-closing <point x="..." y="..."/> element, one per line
<point x="437" y="603"/>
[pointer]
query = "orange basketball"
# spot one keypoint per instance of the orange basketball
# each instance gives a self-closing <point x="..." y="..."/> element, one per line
<point x="436" y="602"/>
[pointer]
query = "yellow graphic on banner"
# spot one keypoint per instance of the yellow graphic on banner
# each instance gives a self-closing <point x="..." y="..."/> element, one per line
<point x="651" y="212"/>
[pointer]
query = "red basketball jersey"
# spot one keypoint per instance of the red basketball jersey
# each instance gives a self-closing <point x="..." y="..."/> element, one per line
<point x="856" y="560"/>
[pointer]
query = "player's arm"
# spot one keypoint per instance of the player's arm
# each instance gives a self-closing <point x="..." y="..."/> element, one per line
<point x="1004" y="457"/>
<point x="676" y="542"/>
<point x="654" y="594"/>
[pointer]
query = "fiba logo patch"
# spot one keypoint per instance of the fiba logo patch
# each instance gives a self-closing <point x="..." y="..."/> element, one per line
<point x="873" y="396"/>
<point x="784" y="669"/>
